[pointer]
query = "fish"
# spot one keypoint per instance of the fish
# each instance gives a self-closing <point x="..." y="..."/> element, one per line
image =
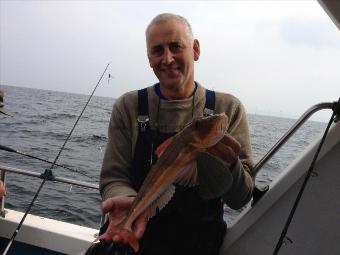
<point x="2" y="189"/>
<point x="176" y="164"/>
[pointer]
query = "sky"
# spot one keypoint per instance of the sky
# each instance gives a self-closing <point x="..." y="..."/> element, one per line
<point x="278" y="57"/>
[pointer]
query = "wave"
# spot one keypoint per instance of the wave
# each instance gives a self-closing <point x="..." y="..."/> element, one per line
<point x="89" y="138"/>
<point x="55" y="116"/>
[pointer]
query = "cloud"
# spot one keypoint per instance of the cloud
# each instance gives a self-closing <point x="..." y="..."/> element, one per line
<point x="309" y="33"/>
<point x="261" y="51"/>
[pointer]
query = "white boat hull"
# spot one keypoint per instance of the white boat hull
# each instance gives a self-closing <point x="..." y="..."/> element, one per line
<point x="57" y="236"/>
<point x="315" y="228"/>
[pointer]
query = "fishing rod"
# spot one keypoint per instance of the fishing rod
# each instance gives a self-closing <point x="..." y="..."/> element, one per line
<point x="5" y="148"/>
<point x="48" y="172"/>
<point x="334" y="118"/>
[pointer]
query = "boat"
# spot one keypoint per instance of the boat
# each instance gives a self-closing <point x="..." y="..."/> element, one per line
<point x="296" y="213"/>
<point x="313" y="229"/>
<point x="40" y="235"/>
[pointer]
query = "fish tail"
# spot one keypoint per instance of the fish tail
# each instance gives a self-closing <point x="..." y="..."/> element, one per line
<point x="129" y="238"/>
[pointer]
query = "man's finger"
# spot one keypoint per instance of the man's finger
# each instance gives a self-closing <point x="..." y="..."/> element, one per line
<point x="105" y="237"/>
<point x="108" y="205"/>
<point x="224" y="153"/>
<point x="139" y="227"/>
<point x="232" y="142"/>
<point x="116" y="203"/>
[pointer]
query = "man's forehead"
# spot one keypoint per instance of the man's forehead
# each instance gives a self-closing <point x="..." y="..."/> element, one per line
<point x="166" y="32"/>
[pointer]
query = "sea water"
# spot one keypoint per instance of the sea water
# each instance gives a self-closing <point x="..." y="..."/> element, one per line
<point x="41" y="122"/>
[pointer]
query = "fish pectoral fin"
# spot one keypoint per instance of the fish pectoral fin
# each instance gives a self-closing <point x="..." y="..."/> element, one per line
<point x="159" y="203"/>
<point x="162" y="148"/>
<point x="188" y="176"/>
<point x="214" y="177"/>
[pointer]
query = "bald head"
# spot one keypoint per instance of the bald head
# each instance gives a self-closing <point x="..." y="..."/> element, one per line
<point x="166" y="17"/>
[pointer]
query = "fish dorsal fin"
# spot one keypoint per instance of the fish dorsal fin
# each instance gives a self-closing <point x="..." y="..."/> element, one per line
<point x="159" y="203"/>
<point x="161" y="148"/>
<point x="189" y="176"/>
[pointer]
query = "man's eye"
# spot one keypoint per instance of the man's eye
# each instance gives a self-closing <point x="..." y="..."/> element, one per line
<point x="175" y="47"/>
<point x="157" y="51"/>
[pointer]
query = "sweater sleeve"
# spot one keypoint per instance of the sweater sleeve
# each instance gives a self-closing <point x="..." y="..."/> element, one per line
<point x="115" y="172"/>
<point x="243" y="183"/>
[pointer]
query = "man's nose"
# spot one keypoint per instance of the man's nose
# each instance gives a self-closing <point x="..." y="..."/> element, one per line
<point x="168" y="57"/>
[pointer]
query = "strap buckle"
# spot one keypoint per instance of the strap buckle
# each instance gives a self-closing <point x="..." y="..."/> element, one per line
<point x="143" y="121"/>
<point x="208" y="112"/>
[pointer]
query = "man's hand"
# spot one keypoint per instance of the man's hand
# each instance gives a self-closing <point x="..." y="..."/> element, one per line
<point x="118" y="208"/>
<point x="227" y="150"/>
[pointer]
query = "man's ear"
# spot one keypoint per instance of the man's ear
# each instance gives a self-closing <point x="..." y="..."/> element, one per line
<point x="197" y="50"/>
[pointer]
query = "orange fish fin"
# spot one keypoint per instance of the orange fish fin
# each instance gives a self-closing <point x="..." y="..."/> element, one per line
<point x="130" y="238"/>
<point x="159" y="203"/>
<point x="161" y="148"/>
<point x="189" y="176"/>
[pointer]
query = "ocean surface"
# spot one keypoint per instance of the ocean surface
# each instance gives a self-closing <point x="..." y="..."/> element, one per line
<point x="41" y="122"/>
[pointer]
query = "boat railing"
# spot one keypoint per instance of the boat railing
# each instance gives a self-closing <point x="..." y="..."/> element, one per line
<point x="305" y="116"/>
<point x="260" y="191"/>
<point x="4" y="169"/>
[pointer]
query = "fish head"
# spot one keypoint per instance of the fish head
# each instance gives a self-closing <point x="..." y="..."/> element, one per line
<point x="205" y="132"/>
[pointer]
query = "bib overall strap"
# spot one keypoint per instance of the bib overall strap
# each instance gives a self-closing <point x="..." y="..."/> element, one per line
<point x="209" y="108"/>
<point x="143" y="151"/>
<point x="143" y="110"/>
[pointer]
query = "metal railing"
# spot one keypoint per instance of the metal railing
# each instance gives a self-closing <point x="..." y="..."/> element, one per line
<point x="4" y="169"/>
<point x="304" y="117"/>
<point x="257" y="167"/>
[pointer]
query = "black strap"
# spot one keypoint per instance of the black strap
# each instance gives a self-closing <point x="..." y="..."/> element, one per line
<point x="143" y="110"/>
<point x="143" y="105"/>
<point x="210" y="99"/>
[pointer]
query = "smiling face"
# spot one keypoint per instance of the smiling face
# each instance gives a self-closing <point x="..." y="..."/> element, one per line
<point x="172" y="52"/>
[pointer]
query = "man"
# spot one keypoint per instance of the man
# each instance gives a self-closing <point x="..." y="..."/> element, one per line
<point x="3" y="111"/>
<point x="2" y="105"/>
<point x="142" y="120"/>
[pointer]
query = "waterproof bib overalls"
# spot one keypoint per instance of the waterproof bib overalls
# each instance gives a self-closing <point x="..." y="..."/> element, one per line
<point x="187" y="224"/>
